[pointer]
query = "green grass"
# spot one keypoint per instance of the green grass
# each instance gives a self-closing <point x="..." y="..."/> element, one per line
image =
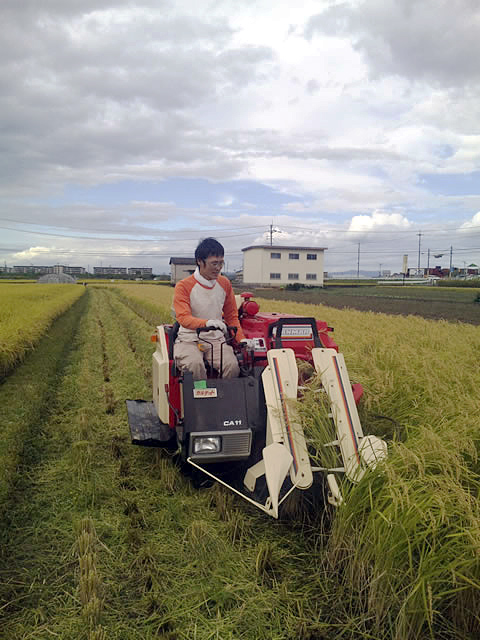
<point x="474" y="282"/>
<point x="422" y="293"/>
<point x="454" y="305"/>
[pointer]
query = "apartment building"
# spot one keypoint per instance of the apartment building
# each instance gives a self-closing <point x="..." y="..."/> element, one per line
<point x="277" y="265"/>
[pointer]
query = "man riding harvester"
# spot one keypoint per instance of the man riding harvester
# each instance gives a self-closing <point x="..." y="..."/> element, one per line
<point x="225" y="382"/>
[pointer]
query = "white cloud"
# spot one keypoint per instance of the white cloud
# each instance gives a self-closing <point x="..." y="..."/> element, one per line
<point x="471" y="225"/>
<point x="433" y="40"/>
<point x="34" y="252"/>
<point x="146" y="204"/>
<point x="226" y="201"/>
<point x="114" y="93"/>
<point x="295" y="98"/>
<point x="379" y="220"/>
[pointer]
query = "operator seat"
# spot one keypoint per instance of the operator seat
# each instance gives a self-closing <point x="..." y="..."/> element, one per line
<point x="172" y="336"/>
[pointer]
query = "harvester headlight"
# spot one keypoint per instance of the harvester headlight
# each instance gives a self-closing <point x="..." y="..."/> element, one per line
<point x="207" y="445"/>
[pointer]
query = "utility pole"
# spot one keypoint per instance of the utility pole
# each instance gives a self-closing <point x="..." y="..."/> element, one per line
<point x="428" y="262"/>
<point x="358" y="261"/>
<point x="380" y="270"/>
<point x="419" y="242"/>
<point x="451" y="257"/>
<point x="272" y="231"/>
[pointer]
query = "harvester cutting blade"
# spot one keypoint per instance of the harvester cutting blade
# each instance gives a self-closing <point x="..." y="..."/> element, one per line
<point x="277" y="461"/>
<point x="359" y="452"/>
<point x="372" y="450"/>
<point x="280" y="383"/>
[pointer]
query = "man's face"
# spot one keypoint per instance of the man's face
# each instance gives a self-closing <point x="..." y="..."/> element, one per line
<point x="211" y="267"/>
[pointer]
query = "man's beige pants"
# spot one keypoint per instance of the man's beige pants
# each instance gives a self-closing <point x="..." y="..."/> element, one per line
<point x="191" y="356"/>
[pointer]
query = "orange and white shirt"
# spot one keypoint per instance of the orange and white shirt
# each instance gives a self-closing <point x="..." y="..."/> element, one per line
<point x="197" y="300"/>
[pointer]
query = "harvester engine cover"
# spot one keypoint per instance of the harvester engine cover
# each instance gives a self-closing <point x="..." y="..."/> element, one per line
<point x="220" y="416"/>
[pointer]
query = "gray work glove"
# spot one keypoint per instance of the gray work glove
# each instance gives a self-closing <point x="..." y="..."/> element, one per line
<point x="248" y="343"/>
<point x="217" y="324"/>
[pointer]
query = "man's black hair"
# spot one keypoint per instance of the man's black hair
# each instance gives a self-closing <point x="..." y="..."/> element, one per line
<point x="208" y="247"/>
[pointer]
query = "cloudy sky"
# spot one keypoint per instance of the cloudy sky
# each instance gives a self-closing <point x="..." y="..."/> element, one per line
<point x="132" y="128"/>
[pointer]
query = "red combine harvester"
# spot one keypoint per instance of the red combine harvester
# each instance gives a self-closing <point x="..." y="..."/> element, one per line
<point x="245" y="432"/>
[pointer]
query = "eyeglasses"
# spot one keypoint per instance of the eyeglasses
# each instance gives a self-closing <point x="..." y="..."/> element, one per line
<point x="216" y="263"/>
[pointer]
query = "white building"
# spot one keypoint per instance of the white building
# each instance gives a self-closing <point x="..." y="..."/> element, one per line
<point x="279" y="265"/>
<point x="181" y="268"/>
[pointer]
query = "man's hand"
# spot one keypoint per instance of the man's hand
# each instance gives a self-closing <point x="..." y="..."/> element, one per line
<point x="217" y="324"/>
<point x="248" y="344"/>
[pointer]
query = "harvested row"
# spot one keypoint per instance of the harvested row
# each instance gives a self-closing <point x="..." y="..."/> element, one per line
<point x="26" y="396"/>
<point x="51" y="581"/>
<point x="107" y="540"/>
<point x="152" y="302"/>
<point x="403" y="554"/>
<point x="211" y="561"/>
<point x="26" y="312"/>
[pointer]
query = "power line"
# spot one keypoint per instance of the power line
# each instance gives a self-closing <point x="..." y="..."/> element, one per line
<point x="183" y="239"/>
<point x="75" y="237"/>
<point x="331" y="251"/>
<point x="72" y="237"/>
<point x="312" y="229"/>
<point x="98" y="230"/>
<point x="431" y="230"/>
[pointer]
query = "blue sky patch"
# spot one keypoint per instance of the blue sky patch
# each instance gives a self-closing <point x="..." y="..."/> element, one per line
<point x="183" y="192"/>
<point x="452" y="184"/>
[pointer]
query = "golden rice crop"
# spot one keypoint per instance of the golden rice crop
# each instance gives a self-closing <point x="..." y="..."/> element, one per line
<point x="406" y="542"/>
<point x="152" y="302"/>
<point x="26" y="312"/>
<point x="160" y="295"/>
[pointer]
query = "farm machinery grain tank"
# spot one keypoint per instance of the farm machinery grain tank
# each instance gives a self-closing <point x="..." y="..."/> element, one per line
<point x="245" y="432"/>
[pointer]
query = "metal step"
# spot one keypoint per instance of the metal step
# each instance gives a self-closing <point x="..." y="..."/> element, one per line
<point x="145" y="426"/>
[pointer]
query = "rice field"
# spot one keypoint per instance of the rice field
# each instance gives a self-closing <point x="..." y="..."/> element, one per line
<point x="104" y="540"/>
<point x="420" y="374"/>
<point x="26" y="312"/>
